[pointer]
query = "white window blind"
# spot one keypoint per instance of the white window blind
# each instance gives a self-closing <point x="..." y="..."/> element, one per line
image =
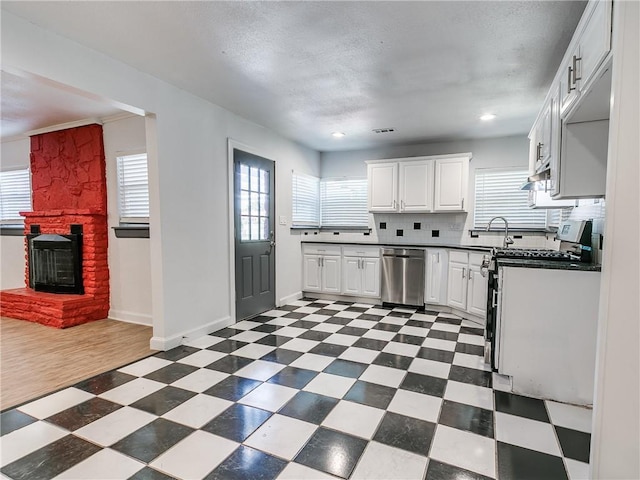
<point x="15" y="195"/>
<point x="133" y="188"/>
<point x="344" y="202"/>
<point x="498" y="194"/>
<point x="305" y="201"/>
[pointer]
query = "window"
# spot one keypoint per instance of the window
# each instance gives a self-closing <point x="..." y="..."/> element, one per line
<point x="344" y="202"/>
<point x="133" y="188"/>
<point x="331" y="203"/>
<point x="498" y="194"/>
<point x="15" y="195"/>
<point x="254" y="203"/>
<point x="305" y="201"/>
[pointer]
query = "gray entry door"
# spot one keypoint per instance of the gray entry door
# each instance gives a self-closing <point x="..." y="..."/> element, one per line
<point x="254" y="181"/>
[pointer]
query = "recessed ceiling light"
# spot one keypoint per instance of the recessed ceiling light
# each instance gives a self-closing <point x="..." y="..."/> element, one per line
<point x="487" y="116"/>
<point x="337" y="134"/>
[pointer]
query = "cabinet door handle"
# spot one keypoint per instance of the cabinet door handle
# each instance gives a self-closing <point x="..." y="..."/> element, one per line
<point x="322" y="261"/>
<point x="569" y="82"/>
<point x="575" y="69"/>
<point x="394" y="204"/>
<point x="494" y="300"/>
<point x="361" y="263"/>
<point x="464" y="272"/>
<point x="401" y="204"/>
<point x="462" y="204"/>
<point x="438" y="257"/>
<point x="539" y="150"/>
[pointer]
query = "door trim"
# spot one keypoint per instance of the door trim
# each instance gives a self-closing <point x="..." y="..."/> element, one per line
<point x="231" y="145"/>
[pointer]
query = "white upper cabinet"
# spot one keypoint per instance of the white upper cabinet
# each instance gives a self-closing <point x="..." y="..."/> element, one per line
<point x="451" y="181"/>
<point x="383" y="187"/>
<point x="416" y="186"/>
<point x="590" y="46"/>
<point x="542" y="137"/>
<point x="419" y="184"/>
<point x="570" y="136"/>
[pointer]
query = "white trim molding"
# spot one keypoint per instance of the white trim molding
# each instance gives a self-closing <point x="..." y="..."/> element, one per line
<point x="167" y="343"/>
<point x="131" y="317"/>
<point x="289" y="298"/>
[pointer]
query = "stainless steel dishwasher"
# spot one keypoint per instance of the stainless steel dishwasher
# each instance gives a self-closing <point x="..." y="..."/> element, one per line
<point x="403" y="276"/>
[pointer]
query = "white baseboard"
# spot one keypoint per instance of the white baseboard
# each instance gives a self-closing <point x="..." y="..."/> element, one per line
<point x="289" y="298"/>
<point x="131" y="317"/>
<point x="167" y="343"/>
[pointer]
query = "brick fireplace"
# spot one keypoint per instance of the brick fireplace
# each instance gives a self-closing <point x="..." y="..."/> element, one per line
<point x="68" y="179"/>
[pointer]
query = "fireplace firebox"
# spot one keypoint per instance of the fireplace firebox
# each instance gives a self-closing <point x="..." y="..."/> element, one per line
<point x="55" y="261"/>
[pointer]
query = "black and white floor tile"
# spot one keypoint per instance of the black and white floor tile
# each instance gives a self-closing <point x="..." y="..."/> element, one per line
<point x="313" y="390"/>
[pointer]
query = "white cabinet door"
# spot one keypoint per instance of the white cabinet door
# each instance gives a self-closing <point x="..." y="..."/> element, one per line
<point x="568" y="82"/>
<point x="311" y="273"/>
<point x="331" y="274"/>
<point x="383" y="187"/>
<point x="457" y="288"/>
<point x="370" y="277"/>
<point x="416" y="186"/>
<point x="595" y="42"/>
<point x="477" y="293"/>
<point x="436" y="278"/>
<point x="543" y="136"/>
<point x="351" y="276"/>
<point x="451" y="179"/>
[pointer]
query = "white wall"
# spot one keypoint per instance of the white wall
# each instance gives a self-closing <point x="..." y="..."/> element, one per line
<point x="129" y="258"/>
<point x="510" y="151"/>
<point x="615" y="442"/>
<point x="189" y="242"/>
<point x="14" y="154"/>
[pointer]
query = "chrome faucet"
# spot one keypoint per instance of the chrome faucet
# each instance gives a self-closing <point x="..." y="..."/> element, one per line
<point x="507" y="239"/>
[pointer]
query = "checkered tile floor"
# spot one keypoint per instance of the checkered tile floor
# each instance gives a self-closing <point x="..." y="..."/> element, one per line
<point x="315" y="389"/>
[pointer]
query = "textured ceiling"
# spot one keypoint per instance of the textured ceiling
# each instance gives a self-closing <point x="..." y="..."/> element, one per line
<point x="305" y="69"/>
<point x="30" y="104"/>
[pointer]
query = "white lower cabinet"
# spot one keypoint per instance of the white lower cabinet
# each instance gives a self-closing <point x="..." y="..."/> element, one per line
<point x="467" y="288"/>
<point x="361" y="271"/>
<point x="436" y="276"/>
<point x="477" y="287"/>
<point x="331" y="274"/>
<point x="321" y="269"/>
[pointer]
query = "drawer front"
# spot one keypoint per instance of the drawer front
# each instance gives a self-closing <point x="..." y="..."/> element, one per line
<point x="358" y="251"/>
<point x="458" y="256"/>
<point x="322" y="249"/>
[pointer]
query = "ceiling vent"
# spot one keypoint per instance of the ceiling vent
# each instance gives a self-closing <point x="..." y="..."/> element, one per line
<point x="384" y="130"/>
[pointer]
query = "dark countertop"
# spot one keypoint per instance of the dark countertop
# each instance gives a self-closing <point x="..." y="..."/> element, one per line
<point x="550" y="264"/>
<point x="407" y="245"/>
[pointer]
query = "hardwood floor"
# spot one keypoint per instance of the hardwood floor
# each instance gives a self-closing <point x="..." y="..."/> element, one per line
<point x="36" y="359"/>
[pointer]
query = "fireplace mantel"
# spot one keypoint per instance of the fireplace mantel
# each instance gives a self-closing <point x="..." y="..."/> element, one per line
<point x="63" y="213"/>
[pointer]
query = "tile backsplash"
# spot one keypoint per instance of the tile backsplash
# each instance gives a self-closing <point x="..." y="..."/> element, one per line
<point x="453" y="229"/>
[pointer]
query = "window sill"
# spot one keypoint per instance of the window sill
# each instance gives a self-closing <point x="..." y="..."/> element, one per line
<point x="132" y="231"/>
<point x="515" y="232"/>
<point x="12" y="230"/>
